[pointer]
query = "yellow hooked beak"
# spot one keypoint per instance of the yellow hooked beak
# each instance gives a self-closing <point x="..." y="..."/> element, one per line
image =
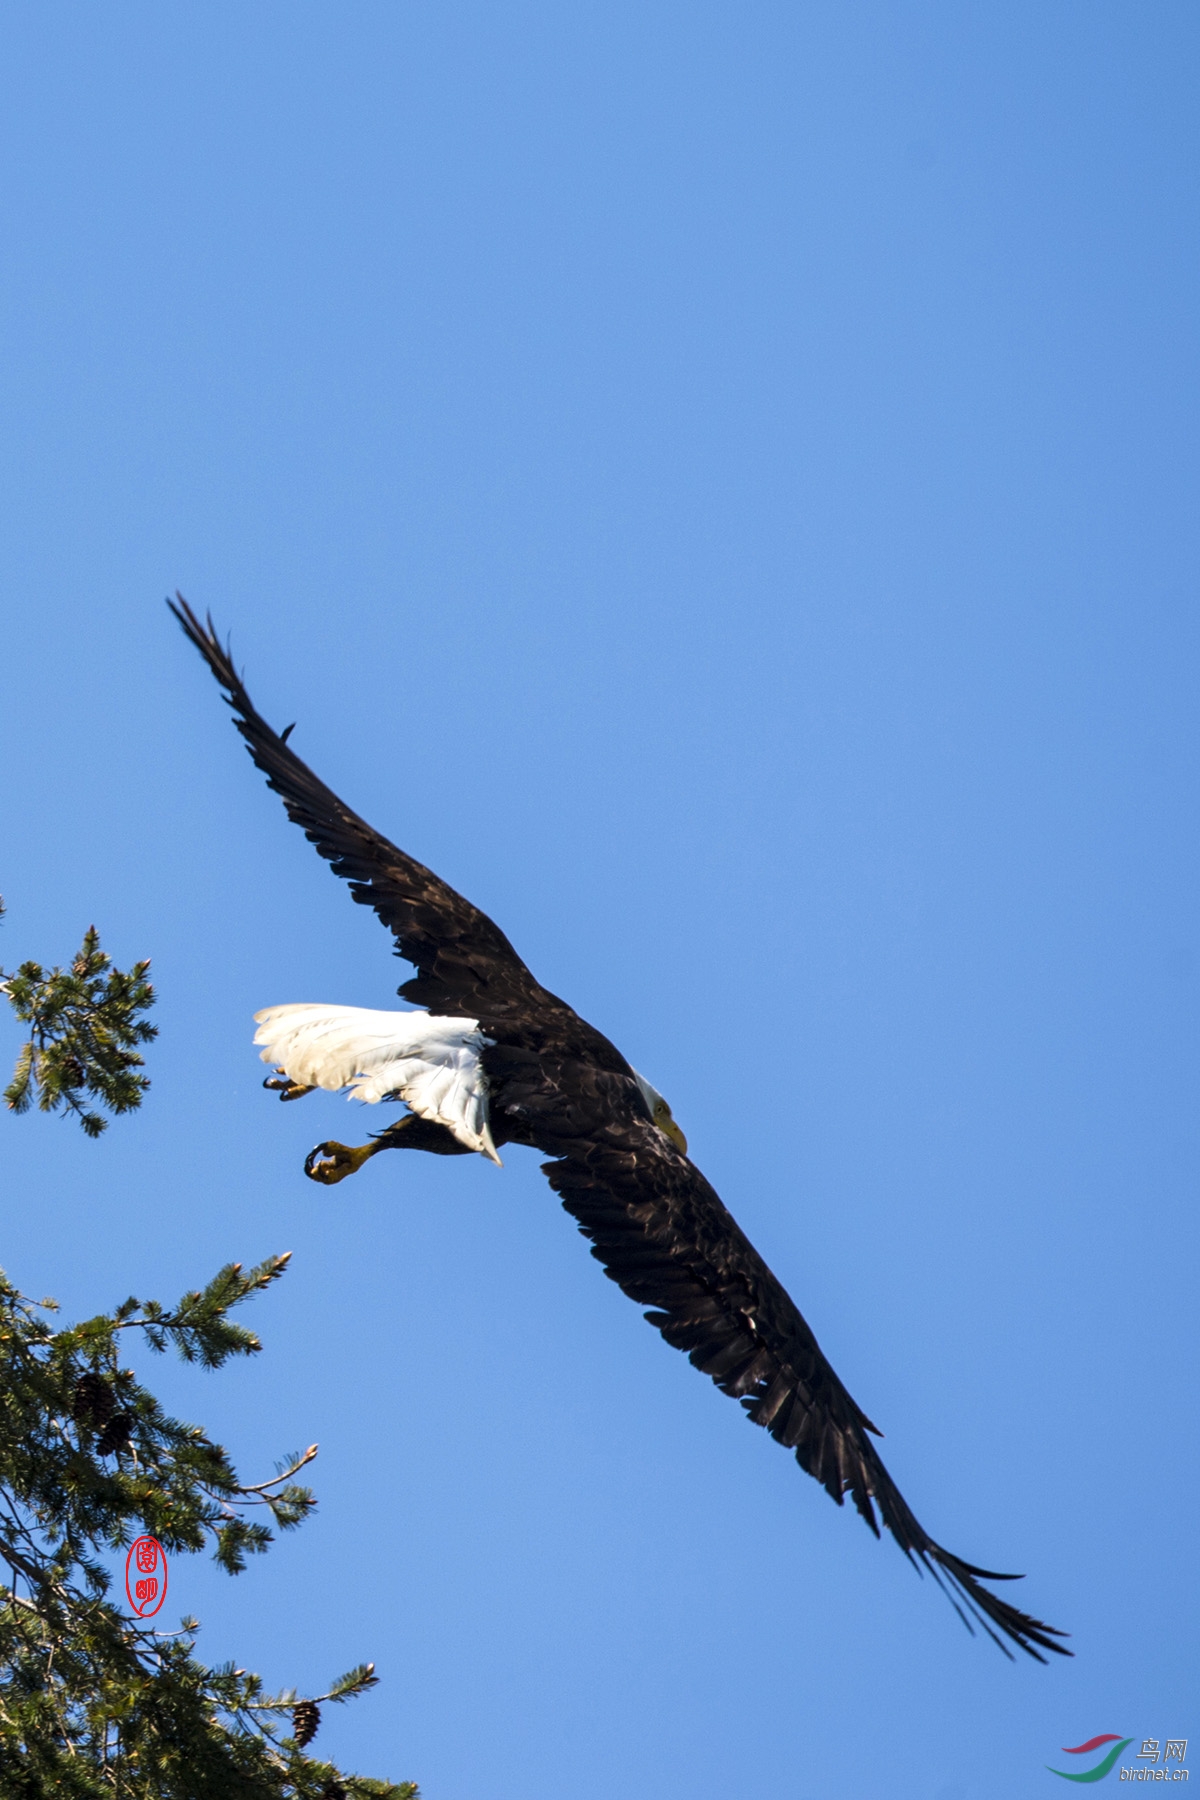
<point x="664" y="1121"/>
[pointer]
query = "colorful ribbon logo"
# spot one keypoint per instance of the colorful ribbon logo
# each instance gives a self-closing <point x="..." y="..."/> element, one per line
<point x="1103" y="1767"/>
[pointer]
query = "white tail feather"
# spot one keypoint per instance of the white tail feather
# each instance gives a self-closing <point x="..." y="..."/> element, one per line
<point x="432" y="1063"/>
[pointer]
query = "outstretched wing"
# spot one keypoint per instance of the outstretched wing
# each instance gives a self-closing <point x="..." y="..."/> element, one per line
<point x="465" y="965"/>
<point x="664" y="1236"/>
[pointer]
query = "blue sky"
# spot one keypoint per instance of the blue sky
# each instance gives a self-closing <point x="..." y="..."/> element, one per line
<point x="718" y="484"/>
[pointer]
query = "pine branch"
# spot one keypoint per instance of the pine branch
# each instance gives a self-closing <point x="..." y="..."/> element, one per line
<point x="199" y="1328"/>
<point x="87" y="1693"/>
<point x="84" y="1022"/>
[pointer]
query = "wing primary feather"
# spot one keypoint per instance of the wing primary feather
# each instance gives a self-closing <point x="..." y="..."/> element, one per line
<point x="664" y="1237"/>
<point x="465" y="964"/>
<point x="466" y="967"/>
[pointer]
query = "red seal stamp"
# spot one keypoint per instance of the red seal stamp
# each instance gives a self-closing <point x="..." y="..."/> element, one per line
<point x="146" y="1576"/>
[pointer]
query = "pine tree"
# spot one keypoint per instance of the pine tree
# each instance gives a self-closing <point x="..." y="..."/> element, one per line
<point x="85" y="1022"/>
<point x="95" y="1702"/>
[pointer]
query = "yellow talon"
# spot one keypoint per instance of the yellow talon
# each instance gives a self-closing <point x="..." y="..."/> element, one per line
<point x="287" y="1089"/>
<point x="332" y="1162"/>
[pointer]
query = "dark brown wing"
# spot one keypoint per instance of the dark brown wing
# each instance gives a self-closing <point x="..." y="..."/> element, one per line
<point x="663" y="1235"/>
<point x="466" y="967"/>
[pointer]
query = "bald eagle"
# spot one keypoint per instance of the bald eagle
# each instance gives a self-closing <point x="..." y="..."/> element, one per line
<point x="496" y="1059"/>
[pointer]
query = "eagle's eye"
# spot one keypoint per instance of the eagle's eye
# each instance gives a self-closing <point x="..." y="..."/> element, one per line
<point x="665" y="1121"/>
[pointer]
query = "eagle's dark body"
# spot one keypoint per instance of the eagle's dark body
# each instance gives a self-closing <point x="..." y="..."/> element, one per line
<point x="655" y="1224"/>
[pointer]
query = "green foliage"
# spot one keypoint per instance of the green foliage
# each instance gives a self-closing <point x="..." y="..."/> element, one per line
<point x="94" y="1702"/>
<point x="85" y="1022"/>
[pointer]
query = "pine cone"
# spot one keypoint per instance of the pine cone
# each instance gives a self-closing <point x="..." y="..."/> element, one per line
<point x="115" y="1434"/>
<point x="306" y="1720"/>
<point x="333" y="1790"/>
<point x="92" y="1402"/>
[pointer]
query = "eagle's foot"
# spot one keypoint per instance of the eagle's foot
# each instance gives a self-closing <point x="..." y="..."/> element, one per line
<point x="331" y="1162"/>
<point x="282" y="1084"/>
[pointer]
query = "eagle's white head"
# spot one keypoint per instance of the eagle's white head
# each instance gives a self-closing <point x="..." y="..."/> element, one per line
<point x="660" y="1112"/>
